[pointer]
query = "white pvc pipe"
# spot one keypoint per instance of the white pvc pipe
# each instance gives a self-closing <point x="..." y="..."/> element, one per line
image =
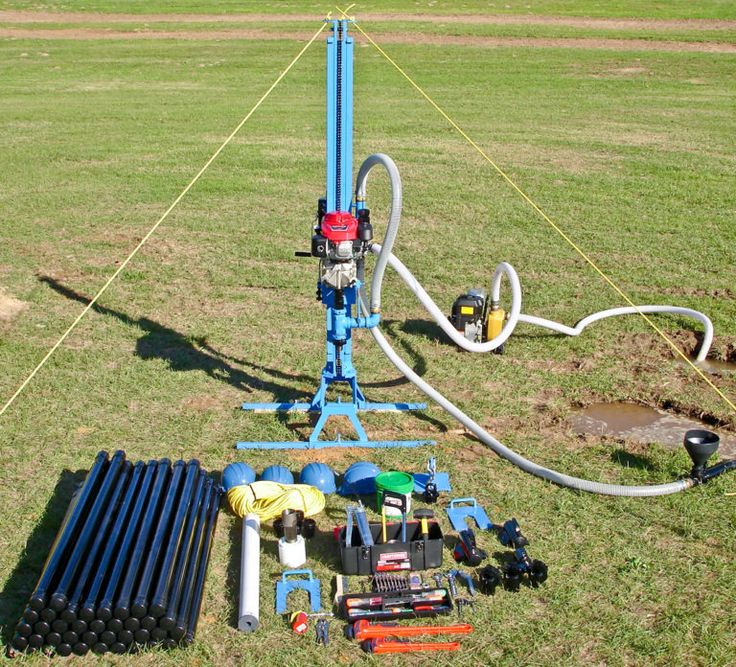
<point x="250" y="571"/>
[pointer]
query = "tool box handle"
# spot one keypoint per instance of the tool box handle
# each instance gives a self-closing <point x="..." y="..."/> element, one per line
<point x="289" y="573"/>
<point x="463" y="501"/>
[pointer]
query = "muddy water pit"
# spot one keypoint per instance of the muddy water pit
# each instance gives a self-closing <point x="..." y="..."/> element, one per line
<point x="643" y="424"/>
<point x="716" y="366"/>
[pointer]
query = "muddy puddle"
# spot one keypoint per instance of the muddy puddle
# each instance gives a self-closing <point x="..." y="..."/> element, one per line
<point x="716" y="366"/>
<point x="643" y="424"/>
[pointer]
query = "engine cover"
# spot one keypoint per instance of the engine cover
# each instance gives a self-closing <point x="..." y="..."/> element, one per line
<point x="339" y="275"/>
<point x="339" y="226"/>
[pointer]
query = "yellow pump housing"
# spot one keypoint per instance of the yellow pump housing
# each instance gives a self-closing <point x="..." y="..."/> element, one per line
<point x="494" y="322"/>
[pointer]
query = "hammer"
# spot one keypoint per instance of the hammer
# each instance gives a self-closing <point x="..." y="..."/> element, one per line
<point x="423" y="515"/>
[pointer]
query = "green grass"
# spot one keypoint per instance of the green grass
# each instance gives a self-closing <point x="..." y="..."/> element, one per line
<point x="385" y="30"/>
<point x="719" y="9"/>
<point x="632" y="153"/>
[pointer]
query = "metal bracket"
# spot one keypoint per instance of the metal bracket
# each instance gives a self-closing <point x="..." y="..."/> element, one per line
<point x="285" y="585"/>
<point x="461" y="508"/>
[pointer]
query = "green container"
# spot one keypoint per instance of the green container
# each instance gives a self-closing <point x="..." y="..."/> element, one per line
<point x="398" y="482"/>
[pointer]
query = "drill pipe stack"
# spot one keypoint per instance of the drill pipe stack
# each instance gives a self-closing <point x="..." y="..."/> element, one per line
<point x="129" y="562"/>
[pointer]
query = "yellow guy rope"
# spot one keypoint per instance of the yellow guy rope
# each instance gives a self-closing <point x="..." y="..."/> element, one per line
<point x="529" y="200"/>
<point x="159" y="221"/>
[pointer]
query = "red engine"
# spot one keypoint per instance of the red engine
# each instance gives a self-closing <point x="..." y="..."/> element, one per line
<point x="339" y="226"/>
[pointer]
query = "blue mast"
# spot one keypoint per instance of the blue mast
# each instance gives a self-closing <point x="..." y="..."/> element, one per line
<point x="339" y="118"/>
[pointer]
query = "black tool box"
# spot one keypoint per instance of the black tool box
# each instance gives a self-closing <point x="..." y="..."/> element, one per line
<point x="419" y="552"/>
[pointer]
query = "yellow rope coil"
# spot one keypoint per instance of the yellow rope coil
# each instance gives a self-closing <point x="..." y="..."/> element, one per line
<point x="269" y="499"/>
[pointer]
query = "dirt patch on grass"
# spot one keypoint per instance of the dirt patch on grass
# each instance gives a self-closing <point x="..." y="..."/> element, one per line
<point x="10" y="307"/>
<point x="717" y="293"/>
<point x="202" y="403"/>
<point x="503" y="19"/>
<point x="381" y="38"/>
<point x="339" y="459"/>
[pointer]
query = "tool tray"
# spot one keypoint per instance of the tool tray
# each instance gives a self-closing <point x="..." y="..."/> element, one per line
<point x="418" y="553"/>
<point x="390" y="606"/>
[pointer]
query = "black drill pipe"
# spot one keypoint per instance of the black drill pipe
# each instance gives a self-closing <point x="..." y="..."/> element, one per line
<point x="98" y="626"/>
<point x="202" y="568"/>
<point x="81" y="544"/>
<point x="80" y="648"/>
<point x="24" y="628"/>
<point x="20" y="642"/>
<point x="159" y="634"/>
<point x="70" y="637"/>
<point x="48" y="615"/>
<point x="104" y="609"/>
<point x="122" y="606"/>
<point x="180" y="627"/>
<point x="79" y="626"/>
<point x="60" y="625"/>
<point x="148" y="623"/>
<point x="75" y="516"/>
<point x="31" y="615"/>
<point x="118" y="647"/>
<point x="139" y="608"/>
<point x="115" y="625"/>
<point x="64" y="649"/>
<point x="53" y="639"/>
<point x="71" y="613"/>
<point x="103" y="573"/>
<point x="108" y="638"/>
<point x="126" y="637"/>
<point x="42" y="628"/>
<point x="169" y="619"/>
<point x="166" y="571"/>
<point x="90" y="638"/>
<point x="132" y="623"/>
<point x="142" y="636"/>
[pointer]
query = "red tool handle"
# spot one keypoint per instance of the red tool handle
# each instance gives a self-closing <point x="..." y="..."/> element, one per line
<point x="367" y="630"/>
<point x="385" y="646"/>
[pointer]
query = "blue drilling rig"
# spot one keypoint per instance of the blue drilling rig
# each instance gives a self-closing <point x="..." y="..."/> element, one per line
<point x="341" y="240"/>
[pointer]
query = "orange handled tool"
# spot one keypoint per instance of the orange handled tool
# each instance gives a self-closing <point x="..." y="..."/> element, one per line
<point x="362" y="630"/>
<point x="386" y="646"/>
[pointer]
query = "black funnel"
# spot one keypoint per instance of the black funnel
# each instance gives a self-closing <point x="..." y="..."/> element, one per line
<point x="700" y="445"/>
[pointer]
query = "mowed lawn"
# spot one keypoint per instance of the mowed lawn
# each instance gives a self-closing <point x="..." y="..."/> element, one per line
<point x="630" y="150"/>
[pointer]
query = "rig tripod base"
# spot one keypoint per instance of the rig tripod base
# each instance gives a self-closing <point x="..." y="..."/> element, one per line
<point x="327" y="409"/>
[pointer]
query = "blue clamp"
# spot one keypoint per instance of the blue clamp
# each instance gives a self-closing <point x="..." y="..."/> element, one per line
<point x="461" y="508"/>
<point x="284" y="586"/>
<point x="441" y="480"/>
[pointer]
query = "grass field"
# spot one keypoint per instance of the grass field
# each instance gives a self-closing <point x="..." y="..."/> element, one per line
<point x="631" y="150"/>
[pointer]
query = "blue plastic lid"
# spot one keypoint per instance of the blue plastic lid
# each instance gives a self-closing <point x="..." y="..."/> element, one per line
<point x="237" y="474"/>
<point x="359" y="479"/>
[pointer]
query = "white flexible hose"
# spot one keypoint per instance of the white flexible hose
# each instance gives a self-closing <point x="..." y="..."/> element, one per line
<point x="394" y="217"/>
<point x="517" y="459"/>
<point x="515" y="316"/>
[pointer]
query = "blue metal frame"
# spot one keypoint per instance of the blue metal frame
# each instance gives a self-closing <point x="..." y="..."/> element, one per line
<point x="340" y="318"/>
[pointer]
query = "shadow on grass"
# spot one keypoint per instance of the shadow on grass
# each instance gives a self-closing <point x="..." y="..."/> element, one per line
<point x="183" y="353"/>
<point x="629" y="460"/>
<point x="22" y="581"/>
